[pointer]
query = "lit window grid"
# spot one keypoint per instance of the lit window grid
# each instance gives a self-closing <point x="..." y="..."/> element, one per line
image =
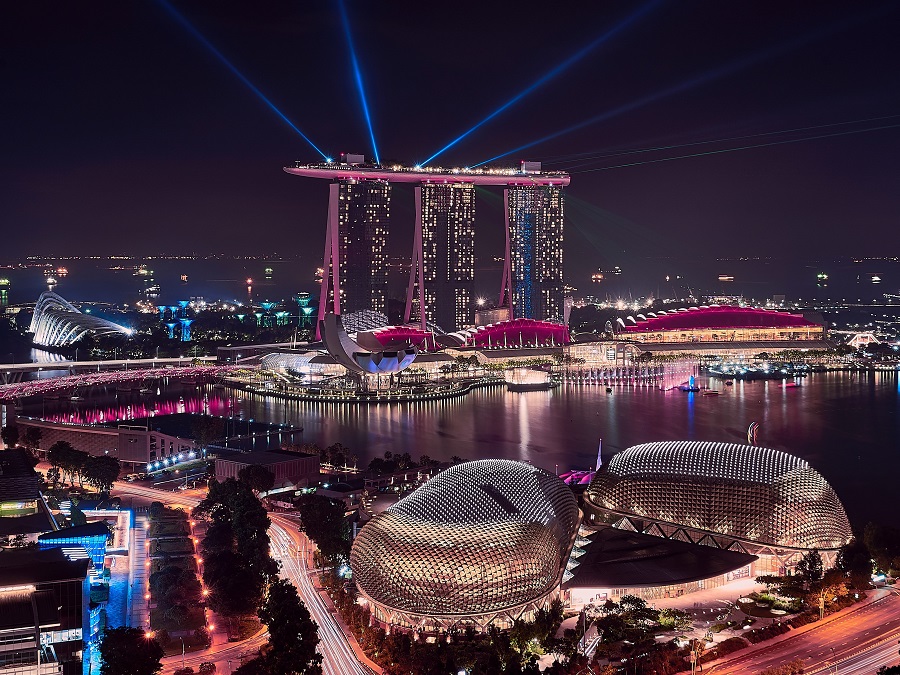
<point x="536" y="241"/>
<point x="363" y="217"/>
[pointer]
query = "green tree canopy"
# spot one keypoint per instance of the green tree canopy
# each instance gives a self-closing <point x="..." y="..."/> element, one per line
<point x="259" y="478"/>
<point x="10" y="435"/>
<point x="128" y="651"/>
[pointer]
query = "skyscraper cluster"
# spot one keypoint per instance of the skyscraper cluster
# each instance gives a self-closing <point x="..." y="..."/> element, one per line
<point x="442" y="271"/>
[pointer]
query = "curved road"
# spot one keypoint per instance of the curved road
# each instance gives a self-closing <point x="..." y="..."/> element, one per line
<point x="286" y="543"/>
<point x="858" y="641"/>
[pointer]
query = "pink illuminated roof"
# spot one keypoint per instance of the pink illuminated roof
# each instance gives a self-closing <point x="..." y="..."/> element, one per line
<point x="720" y="318"/>
<point x="516" y="331"/>
<point x="413" y="175"/>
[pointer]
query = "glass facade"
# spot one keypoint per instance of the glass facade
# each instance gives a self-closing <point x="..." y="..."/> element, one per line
<point x="536" y="250"/>
<point x="363" y="217"/>
<point x="448" y="251"/>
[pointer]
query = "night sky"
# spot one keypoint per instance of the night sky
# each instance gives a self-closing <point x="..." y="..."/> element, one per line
<point x="123" y="133"/>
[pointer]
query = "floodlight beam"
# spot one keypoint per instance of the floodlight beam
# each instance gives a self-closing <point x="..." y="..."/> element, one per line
<point x="551" y="74"/>
<point x="187" y="25"/>
<point x="357" y="75"/>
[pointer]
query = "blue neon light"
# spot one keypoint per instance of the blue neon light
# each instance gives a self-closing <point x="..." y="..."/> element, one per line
<point x="358" y="77"/>
<point x="551" y="74"/>
<point x="206" y="43"/>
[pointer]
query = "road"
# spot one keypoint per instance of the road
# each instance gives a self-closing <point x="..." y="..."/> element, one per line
<point x="858" y="642"/>
<point x="286" y="541"/>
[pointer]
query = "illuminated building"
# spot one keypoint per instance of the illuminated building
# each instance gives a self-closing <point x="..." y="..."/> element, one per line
<point x="719" y="323"/>
<point x="733" y="497"/>
<point x="482" y="543"/>
<point x="24" y="515"/>
<point x="533" y="272"/>
<point x="44" y="600"/>
<point x="445" y="245"/>
<point x="444" y="220"/>
<point x="355" y="263"/>
<point x="4" y="295"/>
<point x="57" y="323"/>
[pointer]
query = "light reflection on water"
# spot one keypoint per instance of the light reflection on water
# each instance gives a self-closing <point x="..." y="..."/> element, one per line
<point x="846" y="425"/>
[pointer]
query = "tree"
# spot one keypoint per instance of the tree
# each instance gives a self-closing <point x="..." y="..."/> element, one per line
<point x="323" y="520"/>
<point x="31" y="439"/>
<point x="810" y="567"/>
<point x="207" y="429"/>
<point x="53" y="475"/>
<point x="67" y="459"/>
<point x="259" y="478"/>
<point x="10" y="435"/>
<point x="292" y="632"/>
<point x="101" y="472"/>
<point x="129" y="651"/>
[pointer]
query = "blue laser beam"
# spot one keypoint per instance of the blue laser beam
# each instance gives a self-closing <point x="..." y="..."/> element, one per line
<point x="742" y="147"/>
<point x="696" y="81"/>
<point x="551" y="74"/>
<point x="228" y="64"/>
<point x="357" y="74"/>
<point x="586" y="161"/>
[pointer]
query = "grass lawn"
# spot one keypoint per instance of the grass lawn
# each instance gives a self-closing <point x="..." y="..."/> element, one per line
<point x="170" y="527"/>
<point x="183" y="546"/>
<point x="196" y="619"/>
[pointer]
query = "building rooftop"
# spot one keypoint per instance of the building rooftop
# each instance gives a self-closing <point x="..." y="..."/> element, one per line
<point x="263" y="457"/>
<point x="623" y="559"/>
<point x="18" y="479"/>
<point x="717" y="317"/>
<point x="96" y="529"/>
<point x="32" y="566"/>
<point x="417" y="174"/>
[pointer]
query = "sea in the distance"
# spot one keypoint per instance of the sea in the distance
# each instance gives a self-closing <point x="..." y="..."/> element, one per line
<point x="846" y="425"/>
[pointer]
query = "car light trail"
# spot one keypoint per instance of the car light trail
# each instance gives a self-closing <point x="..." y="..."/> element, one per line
<point x="188" y="26"/>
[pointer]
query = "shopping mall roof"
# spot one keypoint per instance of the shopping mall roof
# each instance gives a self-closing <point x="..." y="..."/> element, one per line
<point x="716" y="317"/>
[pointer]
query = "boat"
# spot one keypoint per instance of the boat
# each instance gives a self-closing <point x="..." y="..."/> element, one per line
<point x="711" y="392"/>
<point x="729" y="383"/>
<point x="791" y="385"/>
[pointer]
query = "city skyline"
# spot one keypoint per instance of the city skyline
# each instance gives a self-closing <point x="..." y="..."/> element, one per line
<point x="165" y="137"/>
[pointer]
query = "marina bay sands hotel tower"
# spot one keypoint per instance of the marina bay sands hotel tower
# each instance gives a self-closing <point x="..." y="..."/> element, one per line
<point x="355" y="274"/>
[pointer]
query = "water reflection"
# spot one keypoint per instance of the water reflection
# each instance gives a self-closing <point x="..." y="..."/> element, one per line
<point x="846" y="425"/>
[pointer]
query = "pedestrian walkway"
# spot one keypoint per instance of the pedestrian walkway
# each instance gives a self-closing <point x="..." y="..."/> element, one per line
<point x="139" y="611"/>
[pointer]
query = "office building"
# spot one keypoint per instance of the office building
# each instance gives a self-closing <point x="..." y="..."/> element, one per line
<point x="44" y="602"/>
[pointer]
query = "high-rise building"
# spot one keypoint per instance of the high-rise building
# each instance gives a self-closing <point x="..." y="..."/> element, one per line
<point x="448" y="252"/>
<point x="442" y="269"/>
<point x="535" y="221"/>
<point x="355" y="262"/>
<point x="363" y="215"/>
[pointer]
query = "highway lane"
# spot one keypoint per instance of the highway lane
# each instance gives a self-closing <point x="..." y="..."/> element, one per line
<point x="852" y="642"/>
<point x="287" y="542"/>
